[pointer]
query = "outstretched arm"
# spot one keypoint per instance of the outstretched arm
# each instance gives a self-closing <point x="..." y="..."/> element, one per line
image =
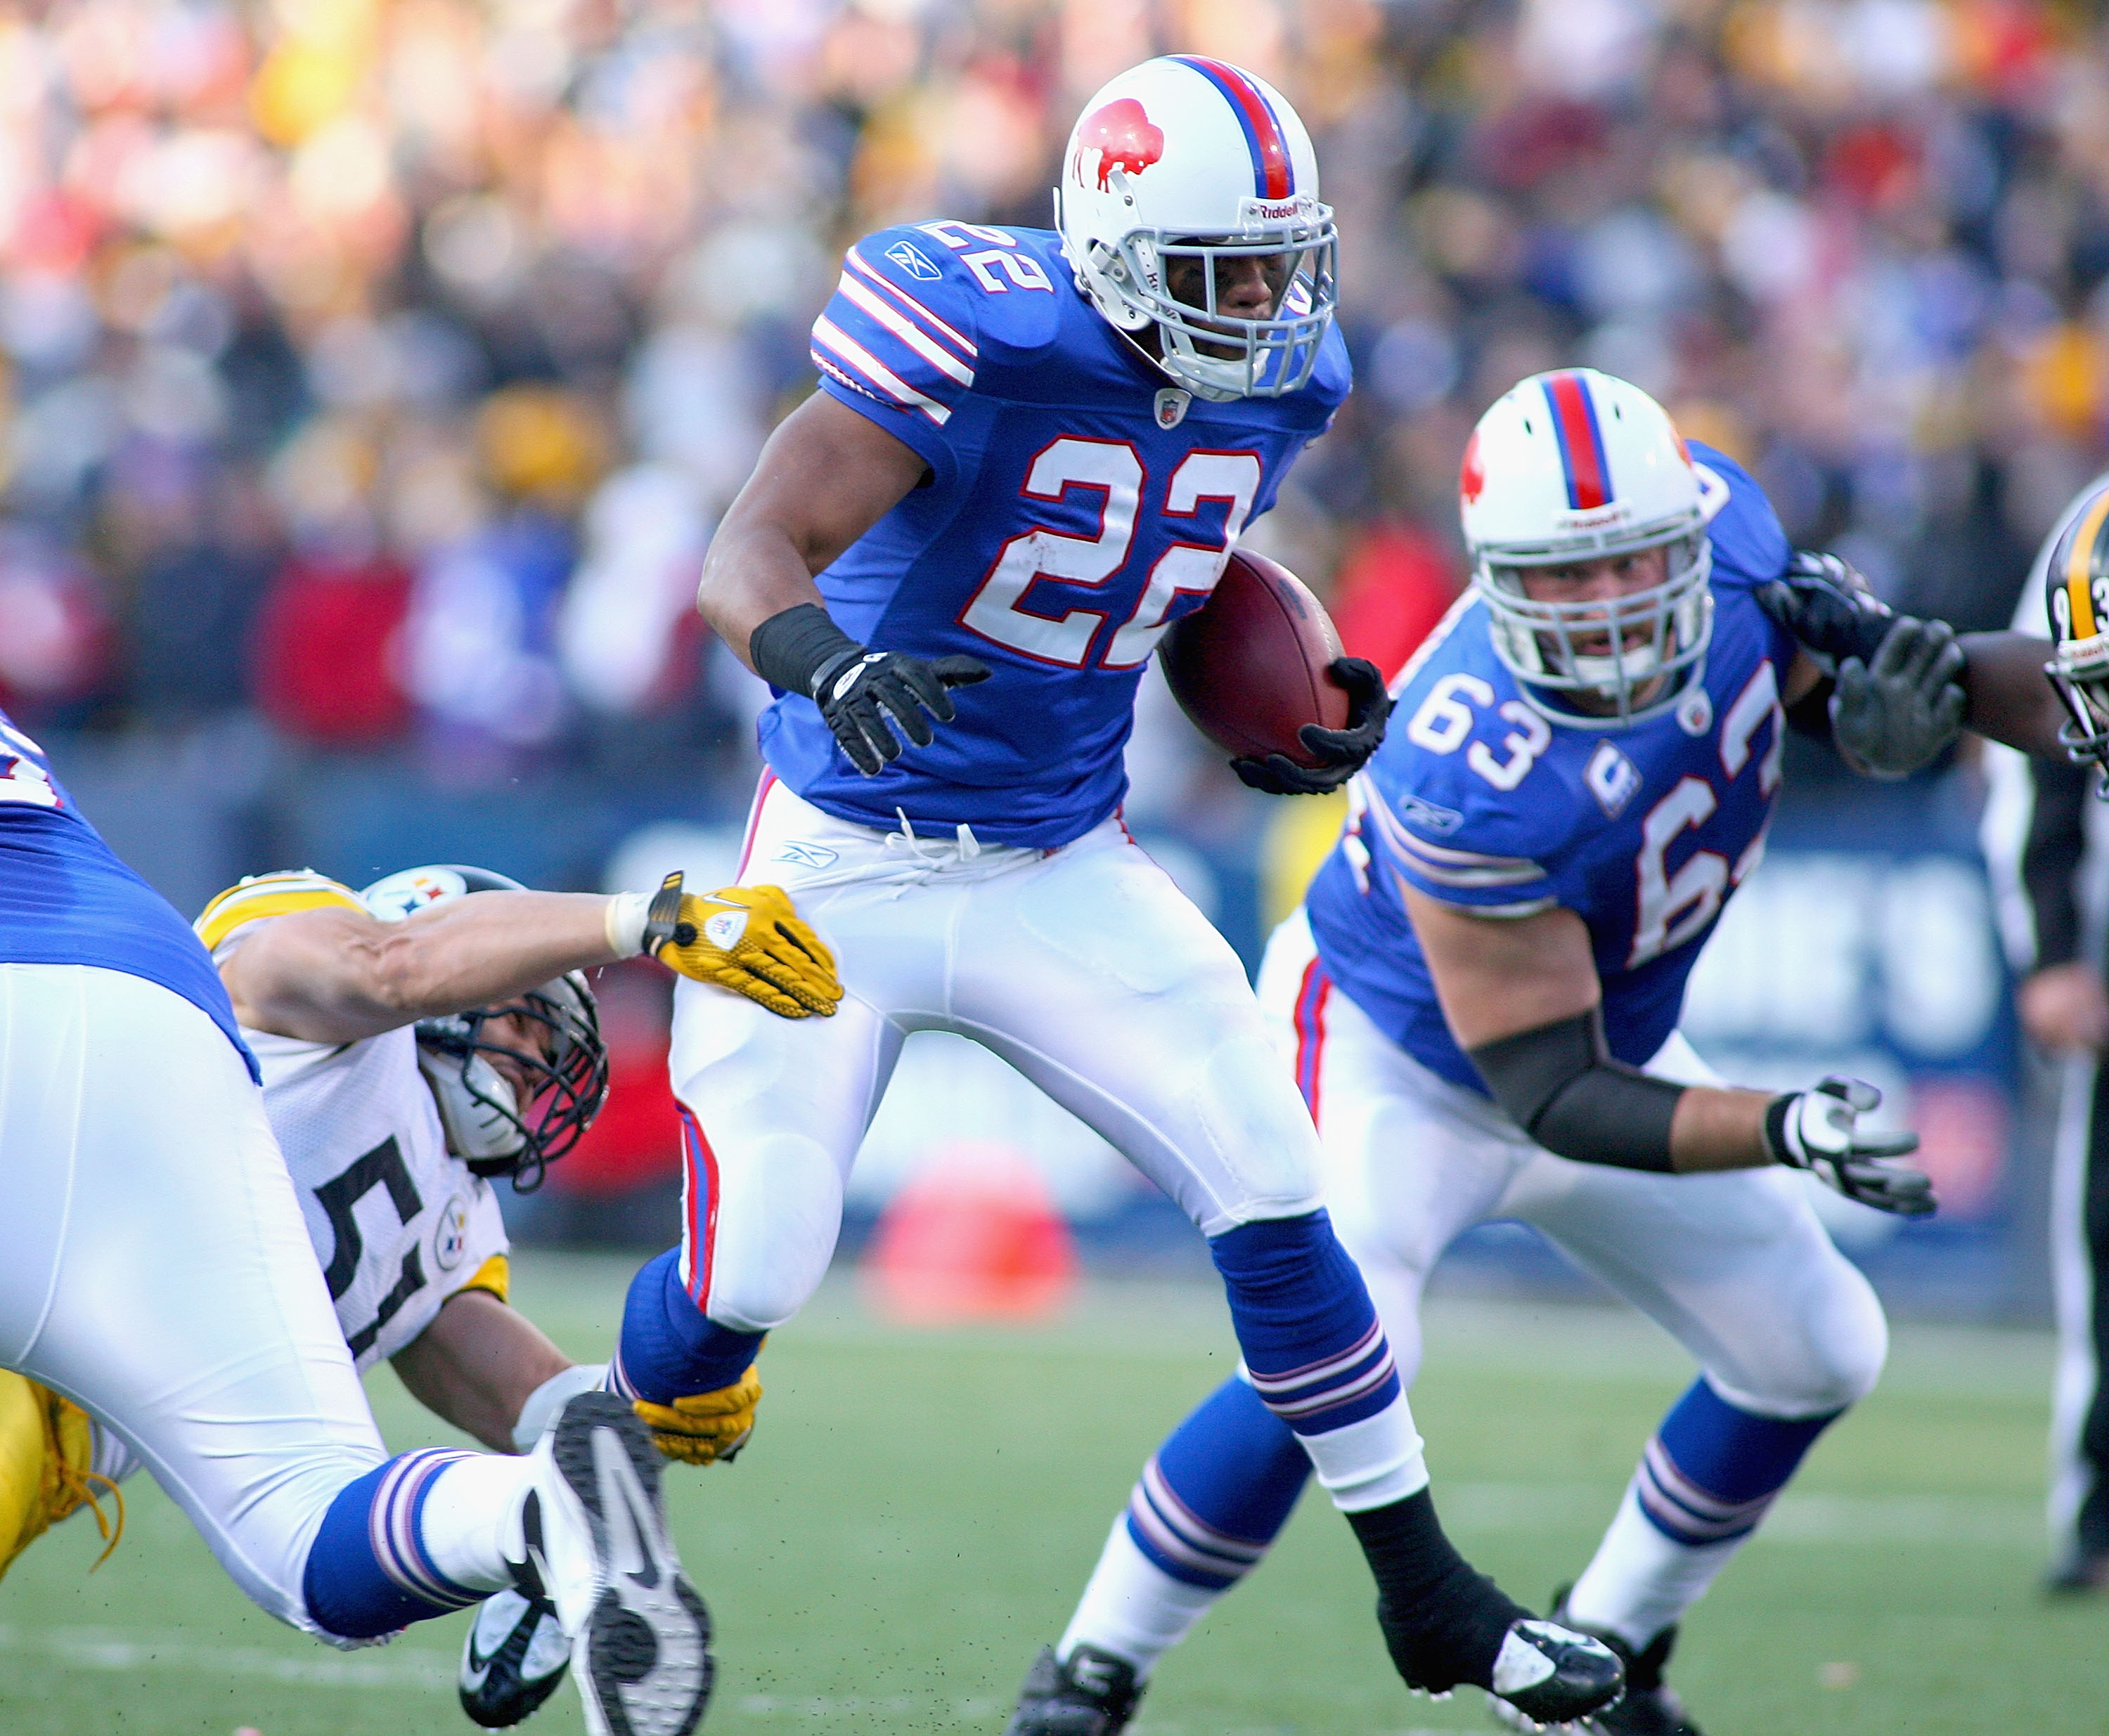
<point x="337" y="974"/>
<point x="2011" y="698"/>
<point x="1522" y="998"/>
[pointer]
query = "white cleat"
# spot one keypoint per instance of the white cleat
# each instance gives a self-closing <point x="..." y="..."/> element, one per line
<point x="640" y="1636"/>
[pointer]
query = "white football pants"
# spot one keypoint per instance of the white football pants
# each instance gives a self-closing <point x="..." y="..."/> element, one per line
<point x="154" y="1267"/>
<point x="1735" y="1266"/>
<point x="1084" y="968"/>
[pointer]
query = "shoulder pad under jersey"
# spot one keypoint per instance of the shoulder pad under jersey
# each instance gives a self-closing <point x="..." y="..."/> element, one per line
<point x="259" y="896"/>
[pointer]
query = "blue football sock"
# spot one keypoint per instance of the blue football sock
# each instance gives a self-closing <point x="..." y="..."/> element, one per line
<point x="670" y="1349"/>
<point x="368" y="1573"/>
<point x="1317" y="1356"/>
<point x="1218" y="1491"/>
<point x="1712" y="1469"/>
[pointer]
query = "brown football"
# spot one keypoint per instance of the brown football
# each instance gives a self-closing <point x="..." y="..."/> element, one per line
<point x="1248" y="667"/>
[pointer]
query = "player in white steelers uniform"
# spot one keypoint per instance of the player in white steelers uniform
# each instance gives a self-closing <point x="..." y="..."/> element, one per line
<point x="1029" y="455"/>
<point x="158" y="1287"/>
<point x="1479" y="1002"/>
<point x="393" y="1139"/>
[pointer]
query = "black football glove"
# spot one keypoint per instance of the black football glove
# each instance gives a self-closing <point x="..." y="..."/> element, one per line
<point x="1341" y="752"/>
<point x="1819" y="1130"/>
<point x="1826" y="604"/>
<point x="864" y="695"/>
<point x="1896" y="714"/>
<point x="866" y="698"/>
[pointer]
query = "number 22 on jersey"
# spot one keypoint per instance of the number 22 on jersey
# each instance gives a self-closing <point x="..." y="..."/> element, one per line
<point x="1114" y="468"/>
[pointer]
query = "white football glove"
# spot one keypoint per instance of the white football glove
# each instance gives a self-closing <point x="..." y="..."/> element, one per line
<point x="1818" y="1131"/>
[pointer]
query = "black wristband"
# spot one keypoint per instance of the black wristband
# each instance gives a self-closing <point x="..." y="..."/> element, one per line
<point x="796" y="647"/>
<point x="1810" y="715"/>
<point x="1776" y="1144"/>
<point x="1561" y="1085"/>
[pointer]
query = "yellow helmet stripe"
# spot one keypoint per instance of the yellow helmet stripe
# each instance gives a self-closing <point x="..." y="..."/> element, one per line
<point x="267" y="896"/>
<point x="2079" y="568"/>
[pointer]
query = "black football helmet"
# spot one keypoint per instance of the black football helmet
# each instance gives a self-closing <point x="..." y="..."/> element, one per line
<point x="2076" y="590"/>
<point x="487" y="1124"/>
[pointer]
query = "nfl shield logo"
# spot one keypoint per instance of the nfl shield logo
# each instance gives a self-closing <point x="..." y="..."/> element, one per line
<point x="1172" y="407"/>
<point x="723" y="930"/>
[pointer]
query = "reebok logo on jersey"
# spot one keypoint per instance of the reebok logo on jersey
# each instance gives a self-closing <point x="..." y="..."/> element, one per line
<point x="1613" y="779"/>
<point x="1428" y="816"/>
<point x="1171" y="407"/>
<point x="804" y="855"/>
<point x="912" y="259"/>
<point x="723" y="930"/>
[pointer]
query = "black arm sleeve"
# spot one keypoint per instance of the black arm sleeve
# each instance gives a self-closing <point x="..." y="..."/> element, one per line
<point x="2050" y="860"/>
<point x="1559" y="1083"/>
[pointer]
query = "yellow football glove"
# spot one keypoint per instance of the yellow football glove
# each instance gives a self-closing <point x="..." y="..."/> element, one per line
<point x="709" y="1427"/>
<point x="750" y="939"/>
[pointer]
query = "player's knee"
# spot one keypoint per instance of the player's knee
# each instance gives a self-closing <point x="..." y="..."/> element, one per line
<point x="1834" y="1357"/>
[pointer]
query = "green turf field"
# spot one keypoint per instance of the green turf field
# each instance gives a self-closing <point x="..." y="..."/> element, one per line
<point x="919" y="1509"/>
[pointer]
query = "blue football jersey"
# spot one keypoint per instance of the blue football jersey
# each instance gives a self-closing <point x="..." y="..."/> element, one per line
<point x="1077" y="505"/>
<point x="65" y="899"/>
<point x="1644" y="833"/>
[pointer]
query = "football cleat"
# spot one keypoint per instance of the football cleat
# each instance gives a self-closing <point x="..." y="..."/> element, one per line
<point x="513" y="1660"/>
<point x="1088" y="1694"/>
<point x="595" y="1536"/>
<point x="1550" y="1674"/>
<point x="1649" y="1707"/>
<point x="2078" y="1573"/>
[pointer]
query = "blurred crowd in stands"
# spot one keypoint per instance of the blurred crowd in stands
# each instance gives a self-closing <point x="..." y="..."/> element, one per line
<point x="374" y="371"/>
<point x="379" y="366"/>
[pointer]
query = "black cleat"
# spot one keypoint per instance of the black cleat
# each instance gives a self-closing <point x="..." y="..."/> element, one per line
<point x="2078" y="1573"/>
<point x="640" y="1635"/>
<point x="513" y="1660"/>
<point x="1090" y="1693"/>
<point x="1548" y="1673"/>
<point x="1651" y="1706"/>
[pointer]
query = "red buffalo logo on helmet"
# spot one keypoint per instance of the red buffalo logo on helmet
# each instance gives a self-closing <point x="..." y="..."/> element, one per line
<point x="1123" y="136"/>
<point x="1472" y="478"/>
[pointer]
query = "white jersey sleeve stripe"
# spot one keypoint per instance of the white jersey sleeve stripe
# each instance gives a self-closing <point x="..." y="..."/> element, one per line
<point x="875" y="373"/>
<point x="902" y="327"/>
<point x="958" y="339"/>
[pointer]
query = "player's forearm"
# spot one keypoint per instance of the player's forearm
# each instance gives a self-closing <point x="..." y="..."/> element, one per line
<point x="336" y="976"/>
<point x="2010" y="700"/>
<point x="477" y="1364"/>
<point x="475" y="951"/>
<point x="753" y="570"/>
<point x="1719" y="1129"/>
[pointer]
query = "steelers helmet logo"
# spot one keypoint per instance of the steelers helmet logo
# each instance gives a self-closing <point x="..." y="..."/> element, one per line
<point x="450" y="1238"/>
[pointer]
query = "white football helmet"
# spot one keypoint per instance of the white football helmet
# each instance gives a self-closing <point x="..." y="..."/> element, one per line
<point x="1577" y="465"/>
<point x="1184" y="157"/>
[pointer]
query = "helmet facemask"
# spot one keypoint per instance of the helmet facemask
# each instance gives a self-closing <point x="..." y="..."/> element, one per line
<point x="1550" y="646"/>
<point x="2080" y="672"/>
<point x="1271" y="354"/>
<point x="486" y="1124"/>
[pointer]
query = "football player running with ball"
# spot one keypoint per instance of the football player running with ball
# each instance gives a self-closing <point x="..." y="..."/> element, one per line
<point x="160" y="1303"/>
<point x="1480" y="1000"/>
<point x="1031" y="453"/>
